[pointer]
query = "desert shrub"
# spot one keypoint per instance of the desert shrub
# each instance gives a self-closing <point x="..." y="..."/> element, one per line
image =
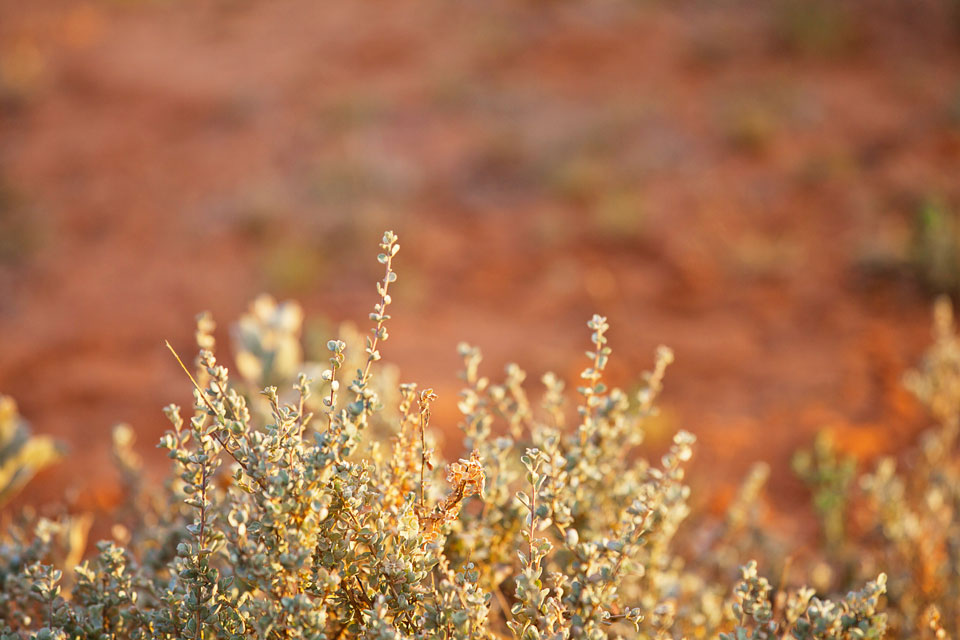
<point x="21" y="453"/>
<point x="829" y="475"/>
<point x="322" y="509"/>
<point x="904" y="511"/>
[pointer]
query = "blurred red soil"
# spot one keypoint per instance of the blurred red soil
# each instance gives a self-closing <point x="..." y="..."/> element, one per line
<point x="707" y="178"/>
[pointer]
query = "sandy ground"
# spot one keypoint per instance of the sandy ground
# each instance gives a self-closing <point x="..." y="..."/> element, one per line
<point x="730" y="181"/>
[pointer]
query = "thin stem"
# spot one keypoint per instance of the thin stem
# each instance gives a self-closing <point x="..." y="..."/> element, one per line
<point x="333" y="395"/>
<point x="423" y="456"/>
<point x="598" y="325"/>
<point x="780" y="596"/>
<point x="638" y="532"/>
<point x="502" y="601"/>
<point x="300" y="424"/>
<point x="215" y="435"/>
<point x="203" y="518"/>
<point x="381" y="318"/>
<point x="533" y="519"/>
<point x="426" y="397"/>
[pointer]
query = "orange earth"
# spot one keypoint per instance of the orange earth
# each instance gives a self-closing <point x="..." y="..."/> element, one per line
<point x="736" y="180"/>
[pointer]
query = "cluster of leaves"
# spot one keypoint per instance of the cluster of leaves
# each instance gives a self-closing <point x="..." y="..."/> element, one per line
<point x="321" y="509"/>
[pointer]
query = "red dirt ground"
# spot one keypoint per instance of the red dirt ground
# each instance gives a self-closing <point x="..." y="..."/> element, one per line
<point x="712" y="177"/>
